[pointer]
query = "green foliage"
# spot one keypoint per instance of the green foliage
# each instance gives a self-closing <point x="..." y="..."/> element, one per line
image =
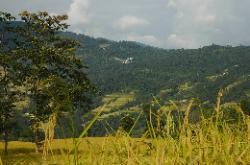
<point x="54" y="76"/>
<point x="41" y="64"/>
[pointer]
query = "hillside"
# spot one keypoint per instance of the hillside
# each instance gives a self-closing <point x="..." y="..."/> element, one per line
<point x="146" y="73"/>
<point x="170" y="74"/>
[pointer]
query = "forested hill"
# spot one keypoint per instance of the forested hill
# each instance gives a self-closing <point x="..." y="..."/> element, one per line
<point x="169" y="74"/>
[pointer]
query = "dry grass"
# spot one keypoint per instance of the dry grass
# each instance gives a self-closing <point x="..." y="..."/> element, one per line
<point x="211" y="141"/>
<point x="204" y="144"/>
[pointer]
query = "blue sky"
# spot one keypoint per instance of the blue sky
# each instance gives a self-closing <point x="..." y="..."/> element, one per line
<point x="162" y="23"/>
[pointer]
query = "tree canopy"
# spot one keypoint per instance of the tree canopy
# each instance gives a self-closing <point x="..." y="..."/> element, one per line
<point x="42" y="66"/>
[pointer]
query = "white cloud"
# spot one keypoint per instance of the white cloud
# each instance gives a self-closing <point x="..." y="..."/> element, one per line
<point x="78" y="12"/>
<point x="203" y="22"/>
<point x="77" y="30"/>
<point x="184" y="41"/>
<point x="195" y="12"/>
<point x="148" y="39"/>
<point x="174" y="23"/>
<point x="209" y="18"/>
<point x="129" y="21"/>
<point x="195" y="23"/>
<point x="203" y="14"/>
<point x="96" y="31"/>
<point x="171" y="3"/>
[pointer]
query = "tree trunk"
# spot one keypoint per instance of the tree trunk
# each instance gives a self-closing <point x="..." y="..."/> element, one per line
<point x="5" y="141"/>
<point x="36" y="140"/>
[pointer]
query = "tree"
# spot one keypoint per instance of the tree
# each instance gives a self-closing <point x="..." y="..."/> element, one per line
<point x="8" y="80"/>
<point x="53" y="76"/>
<point x="7" y="113"/>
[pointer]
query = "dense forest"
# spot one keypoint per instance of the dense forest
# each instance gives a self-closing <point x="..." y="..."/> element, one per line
<point x="173" y="74"/>
<point x="150" y="74"/>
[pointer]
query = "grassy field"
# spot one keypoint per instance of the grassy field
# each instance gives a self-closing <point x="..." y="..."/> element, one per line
<point x="100" y="150"/>
<point x="212" y="140"/>
<point x="209" y="145"/>
<point x="209" y="142"/>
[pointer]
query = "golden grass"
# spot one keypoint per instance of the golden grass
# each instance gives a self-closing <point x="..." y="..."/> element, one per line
<point x="206" y="143"/>
<point x="209" y="145"/>
<point x="211" y="141"/>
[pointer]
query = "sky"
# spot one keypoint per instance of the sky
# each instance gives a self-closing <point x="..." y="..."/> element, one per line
<point x="161" y="23"/>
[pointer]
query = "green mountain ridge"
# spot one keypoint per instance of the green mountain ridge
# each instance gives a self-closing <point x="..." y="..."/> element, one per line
<point x="170" y="74"/>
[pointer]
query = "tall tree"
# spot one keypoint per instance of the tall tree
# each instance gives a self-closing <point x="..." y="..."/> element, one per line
<point x="53" y="76"/>
<point x="8" y="92"/>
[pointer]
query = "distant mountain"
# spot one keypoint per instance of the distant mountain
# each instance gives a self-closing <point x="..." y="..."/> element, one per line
<point x="168" y="74"/>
